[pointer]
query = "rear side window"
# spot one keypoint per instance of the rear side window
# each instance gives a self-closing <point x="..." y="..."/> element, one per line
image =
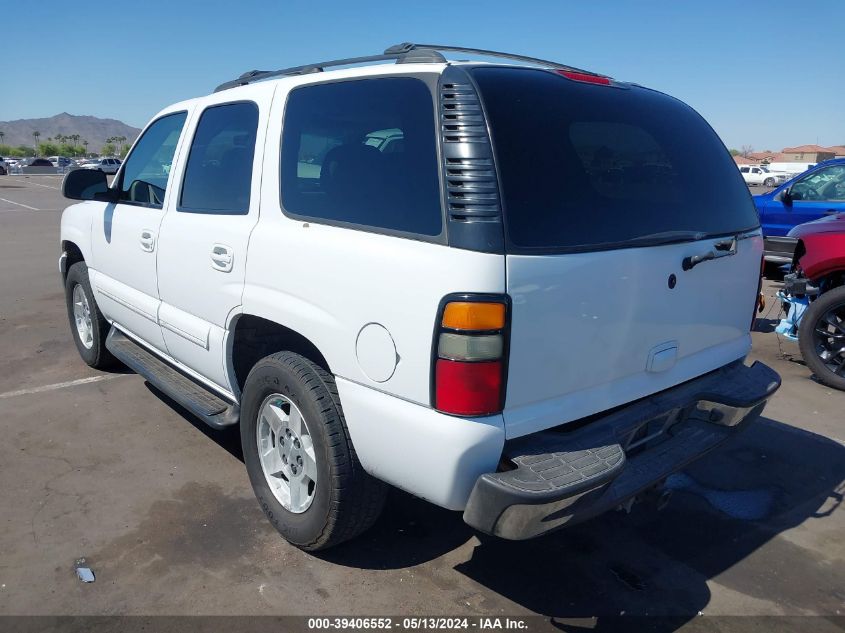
<point x="218" y="176"/>
<point x="363" y="153"/>
<point x="585" y="166"/>
<point x="143" y="180"/>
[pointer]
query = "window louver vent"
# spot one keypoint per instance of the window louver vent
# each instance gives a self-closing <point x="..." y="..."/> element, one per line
<point x="471" y="187"/>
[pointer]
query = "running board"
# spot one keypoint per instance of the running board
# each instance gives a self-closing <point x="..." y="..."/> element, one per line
<point x="196" y="398"/>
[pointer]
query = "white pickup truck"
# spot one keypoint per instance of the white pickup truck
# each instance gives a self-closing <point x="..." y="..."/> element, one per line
<point x="513" y="291"/>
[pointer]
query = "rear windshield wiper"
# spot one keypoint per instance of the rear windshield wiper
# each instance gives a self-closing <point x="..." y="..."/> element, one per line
<point x="666" y="237"/>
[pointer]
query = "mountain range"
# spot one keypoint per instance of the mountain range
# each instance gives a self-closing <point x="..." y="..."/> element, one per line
<point x="90" y="128"/>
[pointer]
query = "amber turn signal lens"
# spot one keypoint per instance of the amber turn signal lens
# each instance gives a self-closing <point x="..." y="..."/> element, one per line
<point x="474" y="315"/>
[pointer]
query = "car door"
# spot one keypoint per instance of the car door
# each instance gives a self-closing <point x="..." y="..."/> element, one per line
<point x="124" y="235"/>
<point x="206" y="230"/>
<point x="816" y="194"/>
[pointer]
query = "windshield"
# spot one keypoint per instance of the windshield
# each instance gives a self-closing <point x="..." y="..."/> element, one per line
<point x="583" y="166"/>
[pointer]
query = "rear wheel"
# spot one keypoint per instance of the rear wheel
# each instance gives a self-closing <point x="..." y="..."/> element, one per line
<point x="299" y="455"/>
<point x="769" y="182"/>
<point x="821" y="337"/>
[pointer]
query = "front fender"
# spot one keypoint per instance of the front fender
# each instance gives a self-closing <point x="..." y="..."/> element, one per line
<point x="76" y="228"/>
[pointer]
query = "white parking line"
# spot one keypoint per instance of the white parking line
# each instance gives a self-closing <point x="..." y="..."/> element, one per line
<point x="38" y="184"/>
<point x="20" y="204"/>
<point x="60" y="385"/>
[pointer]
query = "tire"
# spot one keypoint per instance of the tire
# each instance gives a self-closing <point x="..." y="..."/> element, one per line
<point x="92" y="351"/>
<point x="812" y="343"/>
<point x="345" y="500"/>
<point x="769" y="182"/>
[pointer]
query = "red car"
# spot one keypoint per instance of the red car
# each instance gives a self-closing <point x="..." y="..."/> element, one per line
<point x="818" y="282"/>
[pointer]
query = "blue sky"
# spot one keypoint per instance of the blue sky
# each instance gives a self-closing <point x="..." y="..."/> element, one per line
<point x="767" y="74"/>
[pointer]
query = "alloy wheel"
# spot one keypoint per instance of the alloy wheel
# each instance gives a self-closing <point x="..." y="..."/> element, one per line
<point x="286" y="453"/>
<point x="82" y="317"/>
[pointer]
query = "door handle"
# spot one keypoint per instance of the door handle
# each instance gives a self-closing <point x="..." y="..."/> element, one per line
<point x="148" y="241"/>
<point x="222" y="258"/>
<point x="830" y="212"/>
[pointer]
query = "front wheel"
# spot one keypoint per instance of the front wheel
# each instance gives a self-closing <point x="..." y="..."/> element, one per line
<point x="821" y="337"/>
<point x="299" y="455"/>
<point x="87" y="324"/>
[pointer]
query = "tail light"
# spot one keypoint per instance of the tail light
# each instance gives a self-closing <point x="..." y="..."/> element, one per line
<point x="470" y="351"/>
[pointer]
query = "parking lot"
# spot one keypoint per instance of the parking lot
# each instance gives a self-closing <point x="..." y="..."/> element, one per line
<point x="104" y="467"/>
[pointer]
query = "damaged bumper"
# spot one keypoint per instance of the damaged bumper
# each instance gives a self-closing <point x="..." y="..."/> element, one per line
<point x="559" y="477"/>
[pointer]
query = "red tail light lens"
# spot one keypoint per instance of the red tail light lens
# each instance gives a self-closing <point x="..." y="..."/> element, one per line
<point x="470" y="346"/>
<point x="586" y="78"/>
<point x="468" y="388"/>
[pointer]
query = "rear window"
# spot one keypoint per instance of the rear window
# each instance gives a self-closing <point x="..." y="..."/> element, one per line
<point x="586" y="166"/>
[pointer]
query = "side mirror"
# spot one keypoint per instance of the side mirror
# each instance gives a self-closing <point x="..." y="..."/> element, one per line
<point x="87" y="184"/>
<point x="786" y="197"/>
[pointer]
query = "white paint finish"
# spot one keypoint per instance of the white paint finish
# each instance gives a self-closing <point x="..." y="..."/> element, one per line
<point x="376" y="352"/>
<point x="584" y="325"/>
<point x="318" y="300"/>
<point x="76" y="226"/>
<point x="196" y="291"/>
<point x="448" y="453"/>
<point x="59" y="385"/>
<point x="188" y="326"/>
<point x="662" y="358"/>
<point x="135" y="310"/>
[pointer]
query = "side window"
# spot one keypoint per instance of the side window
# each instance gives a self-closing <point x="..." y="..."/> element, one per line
<point x="144" y="176"/>
<point x="218" y="175"/>
<point x="744" y="170"/>
<point x="824" y="184"/>
<point x="363" y="152"/>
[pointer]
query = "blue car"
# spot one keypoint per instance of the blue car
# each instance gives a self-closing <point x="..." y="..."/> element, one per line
<point x="818" y="192"/>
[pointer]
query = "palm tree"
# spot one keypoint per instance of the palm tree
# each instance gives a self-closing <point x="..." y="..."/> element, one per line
<point x="35" y="135"/>
<point x="2" y="134"/>
<point x="85" y="145"/>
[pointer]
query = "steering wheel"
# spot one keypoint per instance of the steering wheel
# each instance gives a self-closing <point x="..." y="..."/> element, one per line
<point x="803" y="191"/>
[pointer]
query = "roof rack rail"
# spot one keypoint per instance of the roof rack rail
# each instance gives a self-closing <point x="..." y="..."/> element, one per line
<point x="404" y="53"/>
<point x="408" y="47"/>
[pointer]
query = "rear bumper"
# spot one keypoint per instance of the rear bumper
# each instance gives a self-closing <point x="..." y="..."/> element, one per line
<point x="561" y="478"/>
<point x="779" y="249"/>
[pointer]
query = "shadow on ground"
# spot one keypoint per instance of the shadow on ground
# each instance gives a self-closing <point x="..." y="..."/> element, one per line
<point x="726" y="508"/>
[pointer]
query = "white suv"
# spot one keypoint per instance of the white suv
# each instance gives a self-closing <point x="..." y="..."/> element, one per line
<point x="761" y="175"/>
<point x="511" y="290"/>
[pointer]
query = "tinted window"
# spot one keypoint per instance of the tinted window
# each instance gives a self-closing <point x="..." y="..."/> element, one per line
<point x="583" y="165"/>
<point x="144" y="176"/>
<point x="363" y="152"/>
<point x="218" y="176"/>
